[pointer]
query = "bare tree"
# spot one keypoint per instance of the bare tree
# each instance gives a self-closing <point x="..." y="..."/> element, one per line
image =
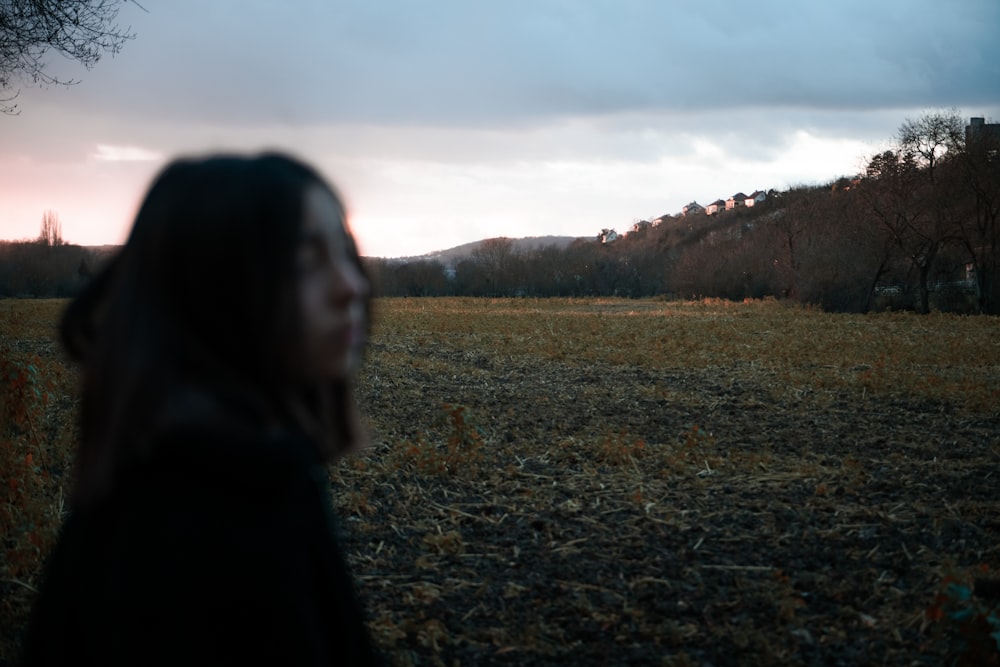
<point x="51" y="234"/>
<point x="901" y="202"/>
<point x="929" y="137"/>
<point x="497" y="257"/>
<point x="919" y="210"/>
<point x="81" y="30"/>
<point x="978" y="168"/>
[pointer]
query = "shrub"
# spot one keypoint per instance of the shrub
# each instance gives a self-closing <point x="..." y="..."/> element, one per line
<point x="460" y="451"/>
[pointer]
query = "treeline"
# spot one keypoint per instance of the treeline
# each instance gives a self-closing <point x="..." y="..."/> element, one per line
<point x="43" y="269"/>
<point x="919" y="229"/>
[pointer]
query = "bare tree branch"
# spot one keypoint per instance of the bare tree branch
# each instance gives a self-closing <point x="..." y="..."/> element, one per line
<point x="80" y="30"/>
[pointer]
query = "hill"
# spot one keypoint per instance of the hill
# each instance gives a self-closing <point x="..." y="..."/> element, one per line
<point x="453" y="256"/>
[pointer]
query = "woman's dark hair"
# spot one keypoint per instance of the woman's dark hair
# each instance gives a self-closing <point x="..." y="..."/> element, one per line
<point x="201" y="296"/>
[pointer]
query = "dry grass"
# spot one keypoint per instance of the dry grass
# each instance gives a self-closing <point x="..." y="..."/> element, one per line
<point x="37" y="429"/>
<point x="782" y="347"/>
<point x="648" y="482"/>
<point x="671" y="483"/>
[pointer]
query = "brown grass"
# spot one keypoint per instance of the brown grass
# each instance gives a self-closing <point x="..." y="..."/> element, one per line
<point x="647" y="482"/>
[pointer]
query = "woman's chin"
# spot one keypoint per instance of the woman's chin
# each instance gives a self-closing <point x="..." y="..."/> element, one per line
<point x="342" y="368"/>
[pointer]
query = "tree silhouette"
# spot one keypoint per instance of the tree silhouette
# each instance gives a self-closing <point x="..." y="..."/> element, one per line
<point x="928" y="138"/>
<point x="51" y="234"/>
<point x="496" y="257"/>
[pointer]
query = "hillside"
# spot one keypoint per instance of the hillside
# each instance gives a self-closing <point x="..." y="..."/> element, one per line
<point x="452" y="256"/>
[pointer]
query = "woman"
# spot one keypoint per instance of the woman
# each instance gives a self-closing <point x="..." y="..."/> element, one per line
<point x="218" y="350"/>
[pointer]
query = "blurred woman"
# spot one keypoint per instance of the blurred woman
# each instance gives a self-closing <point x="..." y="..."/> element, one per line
<point x="218" y="350"/>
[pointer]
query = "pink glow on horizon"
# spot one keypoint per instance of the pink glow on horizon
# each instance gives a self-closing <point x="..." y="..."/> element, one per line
<point x="95" y="217"/>
<point x="95" y="200"/>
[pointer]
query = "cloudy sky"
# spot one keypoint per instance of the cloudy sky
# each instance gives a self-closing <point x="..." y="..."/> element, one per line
<point x="448" y="121"/>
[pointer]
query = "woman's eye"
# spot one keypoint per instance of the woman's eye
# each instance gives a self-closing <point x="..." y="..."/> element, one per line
<point x="310" y="257"/>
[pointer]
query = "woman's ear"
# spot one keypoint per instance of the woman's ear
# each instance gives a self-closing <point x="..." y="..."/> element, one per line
<point x="82" y="317"/>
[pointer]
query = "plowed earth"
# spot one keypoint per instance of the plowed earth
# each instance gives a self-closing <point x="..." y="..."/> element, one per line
<point x="610" y="482"/>
<point x="707" y="508"/>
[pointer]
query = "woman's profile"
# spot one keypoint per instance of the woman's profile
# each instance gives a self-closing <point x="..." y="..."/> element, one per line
<point x="217" y="352"/>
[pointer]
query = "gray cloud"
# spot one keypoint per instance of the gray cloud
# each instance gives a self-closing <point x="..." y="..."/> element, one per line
<point x="527" y="62"/>
<point x="450" y="120"/>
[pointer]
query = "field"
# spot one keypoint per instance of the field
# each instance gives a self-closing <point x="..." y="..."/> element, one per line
<point x="608" y="482"/>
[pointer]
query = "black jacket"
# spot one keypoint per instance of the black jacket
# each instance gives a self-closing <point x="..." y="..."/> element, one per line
<point x="217" y="551"/>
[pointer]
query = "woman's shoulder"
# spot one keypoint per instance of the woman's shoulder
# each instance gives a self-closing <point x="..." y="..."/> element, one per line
<point x="226" y="437"/>
<point x="229" y="462"/>
<point x="219" y="501"/>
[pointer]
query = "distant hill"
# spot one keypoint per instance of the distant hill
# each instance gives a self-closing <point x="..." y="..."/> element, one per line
<point x="453" y="256"/>
<point x="449" y="257"/>
<point x="102" y="251"/>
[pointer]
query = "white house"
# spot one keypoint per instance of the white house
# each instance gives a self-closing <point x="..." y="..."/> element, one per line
<point x="640" y="225"/>
<point x="715" y="207"/>
<point x="692" y="208"/>
<point x="738" y="199"/>
<point x="757" y="197"/>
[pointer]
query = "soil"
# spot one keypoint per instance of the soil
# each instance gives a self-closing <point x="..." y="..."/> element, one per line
<point x="588" y="513"/>
<point x="643" y="483"/>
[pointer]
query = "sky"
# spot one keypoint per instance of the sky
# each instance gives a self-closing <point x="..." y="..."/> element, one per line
<point x="443" y="122"/>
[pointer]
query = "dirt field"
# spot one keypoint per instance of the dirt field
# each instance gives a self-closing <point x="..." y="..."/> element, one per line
<point x="673" y="484"/>
<point x="650" y="483"/>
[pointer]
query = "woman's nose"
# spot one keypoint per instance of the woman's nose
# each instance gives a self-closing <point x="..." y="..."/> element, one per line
<point x="348" y="283"/>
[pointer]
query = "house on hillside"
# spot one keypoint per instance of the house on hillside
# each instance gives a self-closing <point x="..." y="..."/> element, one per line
<point x="979" y="129"/>
<point x="715" y="207"/>
<point x="639" y="225"/>
<point x="692" y="208"/>
<point x="737" y="200"/>
<point x="757" y="197"/>
<point x="844" y="183"/>
<point x="986" y="136"/>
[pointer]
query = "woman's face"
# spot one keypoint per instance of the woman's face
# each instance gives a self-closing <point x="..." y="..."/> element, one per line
<point x="332" y="291"/>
